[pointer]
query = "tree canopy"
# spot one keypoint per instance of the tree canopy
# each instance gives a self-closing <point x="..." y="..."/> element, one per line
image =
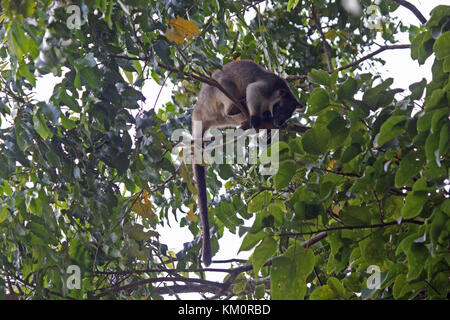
<point x="359" y="208"/>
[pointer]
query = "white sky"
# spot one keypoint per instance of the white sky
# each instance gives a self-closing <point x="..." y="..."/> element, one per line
<point x="399" y="66"/>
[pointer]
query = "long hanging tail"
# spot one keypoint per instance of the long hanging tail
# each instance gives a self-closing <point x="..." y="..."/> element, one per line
<point x="200" y="178"/>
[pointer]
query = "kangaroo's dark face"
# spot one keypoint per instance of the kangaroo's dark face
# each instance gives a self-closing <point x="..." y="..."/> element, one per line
<point x="283" y="109"/>
<point x="279" y="110"/>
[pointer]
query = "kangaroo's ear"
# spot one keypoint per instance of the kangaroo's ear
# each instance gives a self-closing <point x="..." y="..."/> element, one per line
<point x="233" y="110"/>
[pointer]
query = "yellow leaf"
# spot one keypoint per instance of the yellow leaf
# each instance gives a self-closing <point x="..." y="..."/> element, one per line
<point x="335" y="209"/>
<point x="144" y="209"/>
<point x="172" y="35"/>
<point x="191" y="216"/>
<point x="330" y="34"/>
<point x="180" y="29"/>
<point x="187" y="178"/>
<point x="330" y="166"/>
<point x="146" y="200"/>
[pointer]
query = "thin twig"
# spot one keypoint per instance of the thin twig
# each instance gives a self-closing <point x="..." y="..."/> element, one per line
<point x="369" y="226"/>
<point x="189" y="75"/>
<point x="354" y="63"/>
<point x="370" y="55"/>
<point x="326" y="46"/>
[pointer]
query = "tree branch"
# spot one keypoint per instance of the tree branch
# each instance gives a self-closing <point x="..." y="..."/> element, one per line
<point x="297" y="77"/>
<point x="249" y="267"/>
<point x="194" y="284"/>
<point x="326" y="47"/>
<point x="371" y="226"/>
<point x="413" y="9"/>
<point x="189" y="75"/>
<point x="370" y="55"/>
<point x="161" y="279"/>
<point x="188" y="288"/>
<point x="354" y="63"/>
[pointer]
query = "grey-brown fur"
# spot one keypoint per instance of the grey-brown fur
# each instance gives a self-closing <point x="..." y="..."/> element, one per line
<point x="268" y="98"/>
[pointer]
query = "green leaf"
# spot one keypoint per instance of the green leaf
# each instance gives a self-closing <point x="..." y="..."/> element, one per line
<point x="281" y="276"/>
<point x="431" y="146"/>
<point x="351" y="152"/>
<point x="259" y="202"/>
<point x="443" y="139"/>
<point x="348" y="89"/>
<point x="433" y="101"/>
<point x="339" y="131"/>
<point x="421" y="47"/>
<point x="442" y="45"/>
<point x="277" y="209"/>
<point x="336" y="286"/>
<point x="239" y="284"/>
<point x="24" y="137"/>
<point x="292" y="4"/>
<point x="438" y="222"/>
<point x="446" y="65"/>
<point x="399" y="284"/>
<point x="68" y="100"/>
<point x="41" y="127"/>
<point x="391" y="129"/>
<point x="17" y="39"/>
<point x="323" y="293"/>
<point x="315" y="141"/>
<point x="373" y="251"/>
<point x="92" y="76"/>
<point x="319" y="77"/>
<point x="414" y="204"/>
<point x="3" y="213"/>
<point x="417" y="255"/>
<point x="251" y="239"/>
<point x="226" y="214"/>
<point x="163" y="51"/>
<point x="437" y="14"/>
<point x="67" y="123"/>
<point x="354" y="215"/>
<point x="440" y="116"/>
<point x="284" y="175"/>
<point x="424" y="120"/>
<point x="49" y="111"/>
<point x="263" y="252"/>
<point x="288" y="273"/>
<point x="42" y="233"/>
<point x="417" y="89"/>
<point x="260" y="291"/>
<point x="410" y="166"/>
<point x="318" y="100"/>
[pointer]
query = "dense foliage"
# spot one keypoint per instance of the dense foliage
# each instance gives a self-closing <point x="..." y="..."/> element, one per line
<point x="87" y="176"/>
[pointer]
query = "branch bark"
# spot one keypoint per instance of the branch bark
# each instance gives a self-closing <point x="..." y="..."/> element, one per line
<point x="202" y="283"/>
<point x="371" y="226"/>
<point x="370" y="55"/>
<point x="190" y="75"/>
<point x="326" y="47"/>
<point x="354" y="63"/>
<point x="413" y="9"/>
